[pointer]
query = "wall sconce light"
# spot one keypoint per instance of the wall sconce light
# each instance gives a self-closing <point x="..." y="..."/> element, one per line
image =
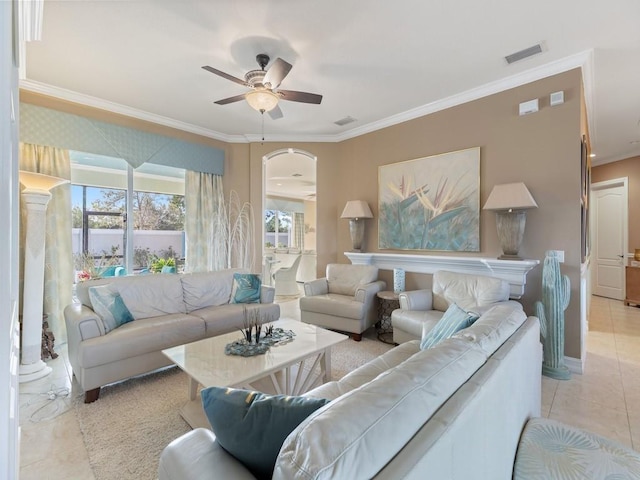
<point x="356" y="211"/>
<point x="36" y="196"/>
<point x="510" y="200"/>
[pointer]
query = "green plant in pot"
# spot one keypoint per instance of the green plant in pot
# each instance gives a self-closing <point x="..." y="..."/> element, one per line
<point x="159" y="264"/>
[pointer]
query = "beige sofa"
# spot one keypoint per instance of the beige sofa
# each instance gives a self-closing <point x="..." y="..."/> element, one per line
<point x="169" y="310"/>
<point x="455" y="412"/>
<point x="344" y="300"/>
<point x="423" y="308"/>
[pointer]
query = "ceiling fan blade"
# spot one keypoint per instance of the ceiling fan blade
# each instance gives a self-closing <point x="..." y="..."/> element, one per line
<point x="275" y="113"/>
<point x="225" y="101"/>
<point x="303" y="97"/>
<point x="276" y="73"/>
<point x="225" y="75"/>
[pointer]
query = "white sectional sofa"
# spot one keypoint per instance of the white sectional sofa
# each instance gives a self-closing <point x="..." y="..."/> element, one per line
<point x="455" y="412"/>
<point x="169" y="310"/>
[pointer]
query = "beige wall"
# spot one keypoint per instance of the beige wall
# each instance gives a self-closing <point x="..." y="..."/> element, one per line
<point x="630" y="168"/>
<point x="541" y="149"/>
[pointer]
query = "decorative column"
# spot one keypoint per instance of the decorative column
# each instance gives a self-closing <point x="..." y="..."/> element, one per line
<point x="36" y="196"/>
<point x="556" y="291"/>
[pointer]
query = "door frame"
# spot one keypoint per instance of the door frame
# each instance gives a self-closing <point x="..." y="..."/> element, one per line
<point x="604" y="185"/>
<point x="263" y="199"/>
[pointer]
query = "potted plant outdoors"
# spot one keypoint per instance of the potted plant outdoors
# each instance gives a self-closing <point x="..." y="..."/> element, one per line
<point x="163" y="265"/>
<point x="88" y="267"/>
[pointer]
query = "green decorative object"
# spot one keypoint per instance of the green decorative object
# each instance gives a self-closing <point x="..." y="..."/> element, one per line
<point x="257" y="345"/>
<point x="556" y="291"/>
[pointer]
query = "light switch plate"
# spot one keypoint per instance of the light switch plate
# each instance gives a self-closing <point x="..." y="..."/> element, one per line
<point x="556" y="98"/>
<point x="530" y="106"/>
<point x="560" y="255"/>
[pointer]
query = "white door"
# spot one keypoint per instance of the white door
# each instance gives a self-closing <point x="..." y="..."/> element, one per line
<point x="609" y="204"/>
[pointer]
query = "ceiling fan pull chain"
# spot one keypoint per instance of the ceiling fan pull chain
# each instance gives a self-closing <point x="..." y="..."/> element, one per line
<point x="262" y="115"/>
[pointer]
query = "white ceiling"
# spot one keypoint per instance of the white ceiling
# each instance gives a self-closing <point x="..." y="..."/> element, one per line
<point x="292" y="175"/>
<point x="379" y="62"/>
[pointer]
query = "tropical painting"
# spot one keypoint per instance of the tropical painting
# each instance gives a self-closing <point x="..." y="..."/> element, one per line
<point x="431" y="203"/>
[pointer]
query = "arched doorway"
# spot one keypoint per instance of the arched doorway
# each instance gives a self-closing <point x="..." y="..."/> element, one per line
<point x="289" y="213"/>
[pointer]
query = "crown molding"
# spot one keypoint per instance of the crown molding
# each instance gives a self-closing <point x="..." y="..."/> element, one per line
<point x="583" y="60"/>
<point x="270" y="138"/>
<point x="95" y="102"/>
<point x="616" y="158"/>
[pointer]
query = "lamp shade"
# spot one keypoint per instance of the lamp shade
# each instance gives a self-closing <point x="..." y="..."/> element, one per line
<point x="261" y="99"/>
<point x="356" y="209"/>
<point x="510" y="196"/>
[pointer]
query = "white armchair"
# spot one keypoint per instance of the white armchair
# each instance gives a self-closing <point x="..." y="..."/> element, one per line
<point x="344" y="300"/>
<point x="421" y="309"/>
<point x="284" y="279"/>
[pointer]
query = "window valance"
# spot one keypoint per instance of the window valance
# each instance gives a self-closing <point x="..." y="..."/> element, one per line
<point x="44" y="126"/>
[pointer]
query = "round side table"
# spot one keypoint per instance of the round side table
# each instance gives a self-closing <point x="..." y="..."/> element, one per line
<point x="387" y="303"/>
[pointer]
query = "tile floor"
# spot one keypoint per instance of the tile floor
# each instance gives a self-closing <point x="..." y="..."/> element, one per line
<point x="604" y="400"/>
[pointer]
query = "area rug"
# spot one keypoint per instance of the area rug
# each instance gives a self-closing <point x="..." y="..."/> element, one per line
<point x="127" y="428"/>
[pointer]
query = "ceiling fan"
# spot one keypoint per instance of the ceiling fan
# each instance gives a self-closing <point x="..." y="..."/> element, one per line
<point x="264" y="94"/>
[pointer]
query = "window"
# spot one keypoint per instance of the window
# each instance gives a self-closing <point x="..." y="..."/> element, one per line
<point x="103" y="203"/>
<point x="278" y="228"/>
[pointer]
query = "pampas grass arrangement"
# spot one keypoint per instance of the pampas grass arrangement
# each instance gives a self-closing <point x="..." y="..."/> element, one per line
<point x="233" y="235"/>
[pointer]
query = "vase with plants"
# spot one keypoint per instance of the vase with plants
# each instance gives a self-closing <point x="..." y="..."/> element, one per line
<point x="89" y="266"/>
<point x="158" y="264"/>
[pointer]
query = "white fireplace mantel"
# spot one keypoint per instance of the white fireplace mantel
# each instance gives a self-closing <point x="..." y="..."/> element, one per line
<point x="513" y="271"/>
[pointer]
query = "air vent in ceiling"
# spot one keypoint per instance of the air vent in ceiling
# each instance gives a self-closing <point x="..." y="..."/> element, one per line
<point x="344" y="121"/>
<point x="522" y="54"/>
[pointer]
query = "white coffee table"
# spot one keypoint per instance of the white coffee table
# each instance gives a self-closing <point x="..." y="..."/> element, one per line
<point x="291" y="368"/>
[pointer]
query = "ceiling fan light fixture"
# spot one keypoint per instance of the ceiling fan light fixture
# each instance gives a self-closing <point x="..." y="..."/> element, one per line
<point x="261" y="99"/>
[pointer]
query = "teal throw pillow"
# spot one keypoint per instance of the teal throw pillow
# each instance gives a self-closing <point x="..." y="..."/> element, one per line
<point x="454" y="319"/>
<point x="252" y="426"/>
<point x="246" y="288"/>
<point x="109" y="306"/>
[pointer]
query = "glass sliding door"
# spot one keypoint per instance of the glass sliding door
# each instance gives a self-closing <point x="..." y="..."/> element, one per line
<point x="126" y="218"/>
<point x="158" y="212"/>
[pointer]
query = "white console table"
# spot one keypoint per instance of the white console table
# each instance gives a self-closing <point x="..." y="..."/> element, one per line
<point x="513" y="271"/>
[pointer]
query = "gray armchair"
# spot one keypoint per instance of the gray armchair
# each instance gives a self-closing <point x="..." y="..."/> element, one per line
<point x="344" y="300"/>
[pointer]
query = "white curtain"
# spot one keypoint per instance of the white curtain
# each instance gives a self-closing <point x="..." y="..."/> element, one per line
<point x="298" y="230"/>
<point x="58" y="273"/>
<point x="203" y="196"/>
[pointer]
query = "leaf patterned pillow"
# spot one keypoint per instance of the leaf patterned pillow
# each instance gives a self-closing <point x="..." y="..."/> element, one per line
<point x="246" y="288"/>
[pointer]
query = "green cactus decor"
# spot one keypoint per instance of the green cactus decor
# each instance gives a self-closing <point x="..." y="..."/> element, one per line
<point x="556" y="291"/>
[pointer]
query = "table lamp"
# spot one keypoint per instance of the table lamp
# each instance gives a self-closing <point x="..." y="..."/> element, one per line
<point x="356" y="211"/>
<point x="510" y="202"/>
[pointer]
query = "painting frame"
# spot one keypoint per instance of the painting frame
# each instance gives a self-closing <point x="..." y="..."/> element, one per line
<point x="431" y="203"/>
<point x="585" y="187"/>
